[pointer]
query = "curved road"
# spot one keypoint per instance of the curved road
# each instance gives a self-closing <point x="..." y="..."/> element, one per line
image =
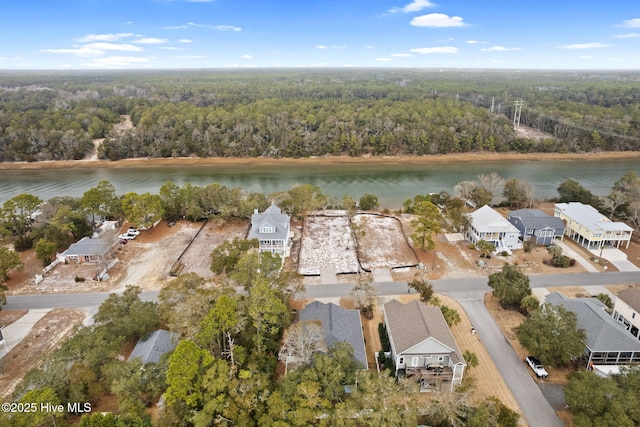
<point x="468" y="292"/>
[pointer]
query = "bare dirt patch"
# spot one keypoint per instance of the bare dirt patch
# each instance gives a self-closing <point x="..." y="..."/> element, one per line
<point x="7" y="317"/>
<point x="327" y="242"/>
<point x="382" y="243"/>
<point x="45" y="336"/>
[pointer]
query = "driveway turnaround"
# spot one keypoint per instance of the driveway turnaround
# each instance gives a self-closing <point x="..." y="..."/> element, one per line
<point x="533" y="404"/>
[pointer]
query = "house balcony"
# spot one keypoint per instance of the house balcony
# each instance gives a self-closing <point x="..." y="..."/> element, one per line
<point x="429" y="378"/>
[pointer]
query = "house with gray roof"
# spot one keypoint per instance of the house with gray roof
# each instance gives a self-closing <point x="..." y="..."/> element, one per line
<point x="587" y="226"/>
<point x="158" y="343"/>
<point x="537" y="225"/>
<point x="271" y="228"/>
<point x="608" y="343"/>
<point x="626" y="310"/>
<point x="487" y="224"/>
<point x="338" y="325"/>
<point x="422" y="345"/>
<point x="88" y="250"/>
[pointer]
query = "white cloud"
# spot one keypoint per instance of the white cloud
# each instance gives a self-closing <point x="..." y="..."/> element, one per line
<point x="227" y="28"/>
<point x="631" y="23"/>
<point x="80" y="51"/>
<point x="383" y="59"/>
<point x="186" y="41"/>
<point x="190" y="57"/>
<point x="247" y="57"/>
<point x="170" y="48"/>
<point x="125" y="47"/>
<point x="150" y="40"/>
<point x="475" y="42"/>
<point x="321" y="46"/>
<point x="437" y="20"/>
<point x="401" y="55"/>
<point x="119" y="60"/>
<point x="587" y="57"/>
<point x="414" y="6"/>
<point x="499" y="49"/>
<point x="176" y="27"/>
<point x="594" y="45"/>
<point x="103" y="37"/>
<point x="627" y="36"/>
<point x="430" y="50"/>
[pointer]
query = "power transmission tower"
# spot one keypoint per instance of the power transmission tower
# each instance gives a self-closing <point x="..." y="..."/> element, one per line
<point x="493" y="101"/>
<point x="517" y="112"/>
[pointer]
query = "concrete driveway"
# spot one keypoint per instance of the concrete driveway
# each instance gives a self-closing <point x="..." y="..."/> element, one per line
<point x="615" y="257"/>
<point x="534" y="405"/>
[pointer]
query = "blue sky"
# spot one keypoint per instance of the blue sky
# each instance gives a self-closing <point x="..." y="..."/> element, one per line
<point x="156" y="34"/>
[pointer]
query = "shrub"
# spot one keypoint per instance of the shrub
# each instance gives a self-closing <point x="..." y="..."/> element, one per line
<point x="79" y="279"/>
<point x="560" y="261"/>
<point x="384" y="338"/>
<point x="22" y="244"/>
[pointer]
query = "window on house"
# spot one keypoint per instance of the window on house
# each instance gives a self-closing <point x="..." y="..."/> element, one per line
<point x="414" y="361"/>
<point x="268" y="229"/>
<point x="633" y="315"/>
<point x="401" y="361"/>
<point x="440" y="358"/>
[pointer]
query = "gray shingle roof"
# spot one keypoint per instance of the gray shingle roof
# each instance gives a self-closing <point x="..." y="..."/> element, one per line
<point x="631" y="297"/>
<point x="88" y="246"/>
<point x="274" y="217"/>
<point x="338" y="325"/>
<point x="536" y="219"/>
<point x="603" y="332"/>
<point x="414" y="322"/>
<point x="157" y="344"/>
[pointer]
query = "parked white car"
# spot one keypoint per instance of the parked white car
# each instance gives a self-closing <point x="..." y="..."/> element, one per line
<point x="132" y="231"/>
<point x="537" y="367"/>
<point x="127" y="236"/>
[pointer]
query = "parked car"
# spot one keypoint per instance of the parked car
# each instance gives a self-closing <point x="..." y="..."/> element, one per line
<point x="133" y="231"/>
<point x="127" y="236"/>
<point x="536" y="366"/>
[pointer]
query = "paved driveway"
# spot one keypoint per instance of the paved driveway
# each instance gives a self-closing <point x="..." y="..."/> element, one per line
<point x="532" y="402"/>
<point x="616" y="257"/>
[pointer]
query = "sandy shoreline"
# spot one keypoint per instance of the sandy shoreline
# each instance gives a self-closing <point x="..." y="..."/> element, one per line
<point x="318" y="161"/>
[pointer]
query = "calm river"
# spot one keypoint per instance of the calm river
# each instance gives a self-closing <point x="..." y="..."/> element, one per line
<point x="391" y="183"/>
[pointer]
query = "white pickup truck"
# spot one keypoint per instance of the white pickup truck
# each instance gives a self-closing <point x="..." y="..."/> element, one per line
<point x="536" y="366"/>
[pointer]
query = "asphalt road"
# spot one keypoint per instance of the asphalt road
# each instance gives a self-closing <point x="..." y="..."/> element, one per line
<point x="468" y="292"/>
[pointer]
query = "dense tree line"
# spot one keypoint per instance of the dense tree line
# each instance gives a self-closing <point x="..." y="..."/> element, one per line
<point x="303" y="113"/>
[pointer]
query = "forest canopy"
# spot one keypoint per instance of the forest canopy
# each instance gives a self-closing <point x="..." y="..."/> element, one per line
<point x="302" y="113"/>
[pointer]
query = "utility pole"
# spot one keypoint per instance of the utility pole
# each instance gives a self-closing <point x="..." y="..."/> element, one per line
<point x="517" y="112"/>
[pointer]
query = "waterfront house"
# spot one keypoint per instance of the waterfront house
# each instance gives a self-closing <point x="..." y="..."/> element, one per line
<point x="608" y="344"/>
<point x="626" y="310"/>
<point x="271" y="228"/>
<point x="422" y="345"/>
<point x="338" y="325"/>
<point x="537" y="225"/>
<point x="587" y="226"/>
<point x="488" y="225"/>
<point x="87" y="250"/>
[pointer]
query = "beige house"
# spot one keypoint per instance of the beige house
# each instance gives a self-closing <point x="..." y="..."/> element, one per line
<point x="422" y="345"/>
<point x="587" y="226"/>
<point x="626" y="310"/>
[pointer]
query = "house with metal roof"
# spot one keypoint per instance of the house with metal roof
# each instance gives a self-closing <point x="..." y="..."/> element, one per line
<point x="488" y="225"/>
<point x="88" y="250"/>
<point x="608" y="343"/>
<point x="158" y="343"/>
<point x="338" y="325"/>
<point x="537" y="225"/>
<point x="626" y="310"/>
<point x="587" y="226"/>
<point x="271" y="228"/>
<point x="422" y="345"/>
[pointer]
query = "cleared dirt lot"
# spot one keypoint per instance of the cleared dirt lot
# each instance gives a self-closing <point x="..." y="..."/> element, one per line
<point x="327" y="242"/>
<point x="381" y="242"/>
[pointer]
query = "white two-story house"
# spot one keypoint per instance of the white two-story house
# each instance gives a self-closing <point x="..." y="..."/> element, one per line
<point x="271" y="228"/>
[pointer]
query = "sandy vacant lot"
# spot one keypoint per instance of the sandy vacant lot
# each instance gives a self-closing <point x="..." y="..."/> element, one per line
<point x="327" y="242"/>
<point x="381" y="242"/>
